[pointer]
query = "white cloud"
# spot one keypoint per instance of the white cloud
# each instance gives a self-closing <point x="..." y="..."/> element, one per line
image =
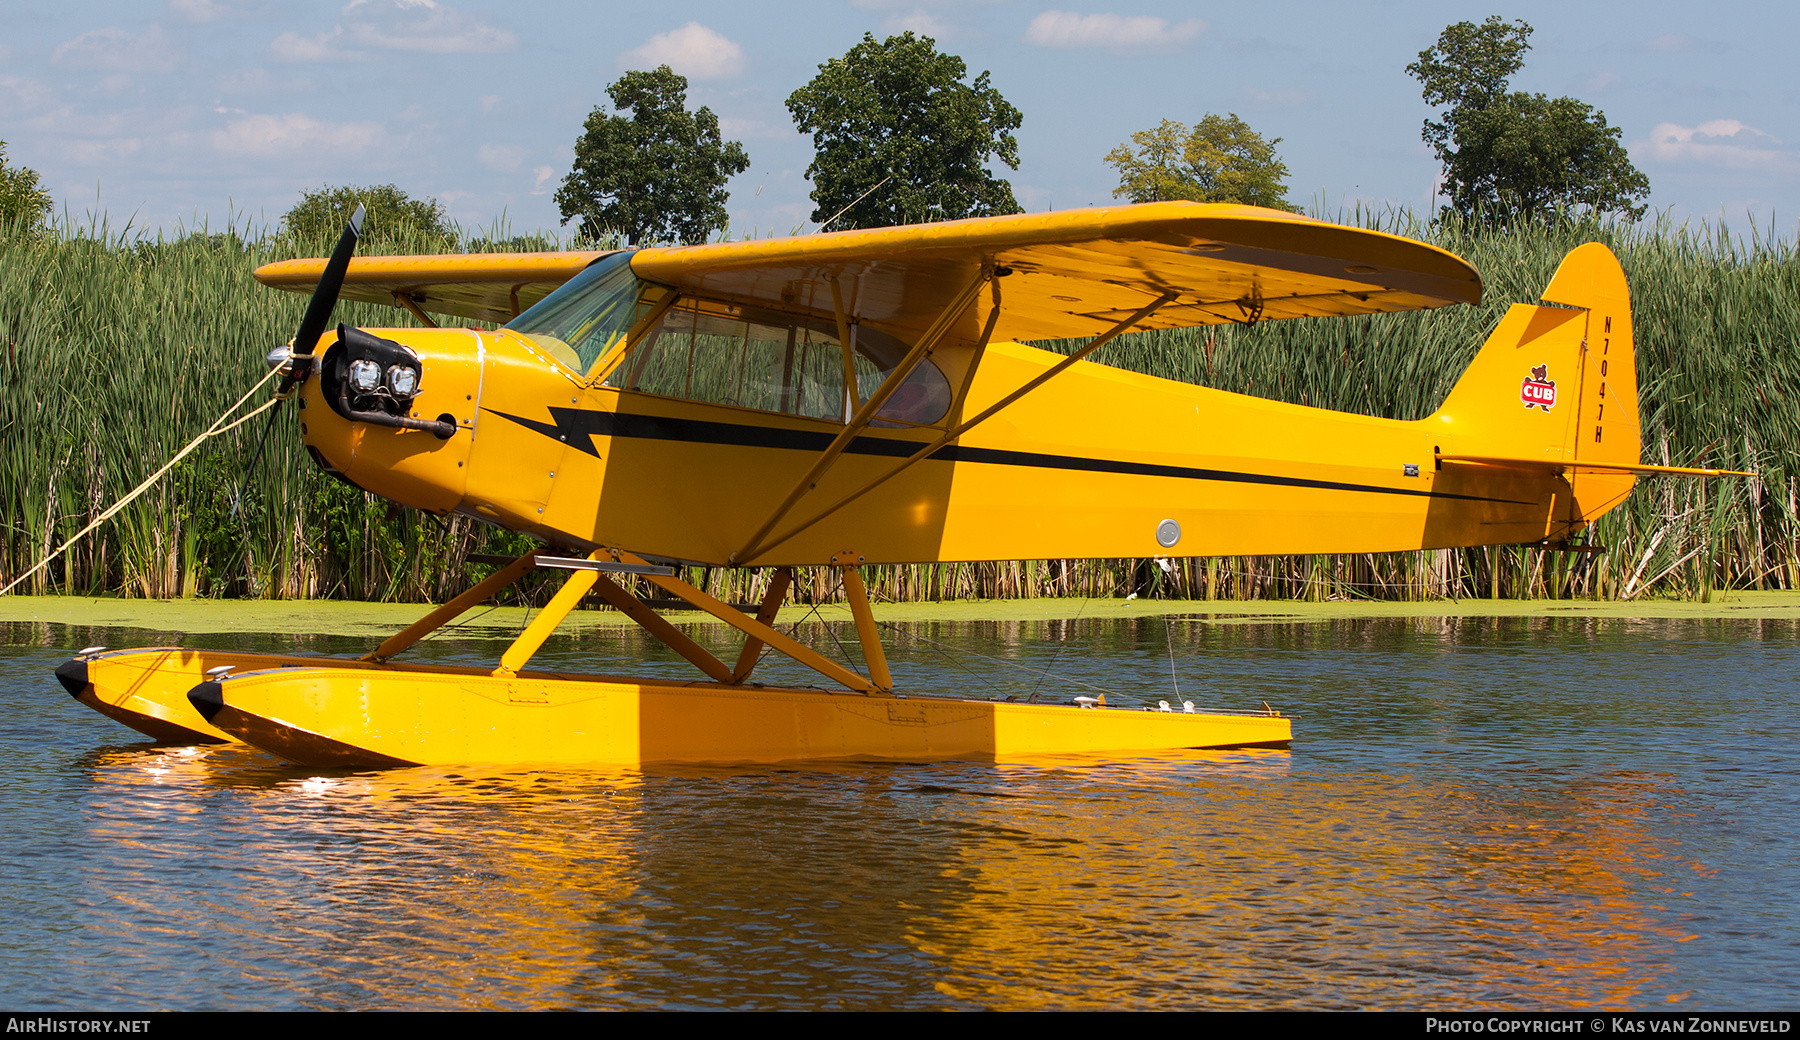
<point x="489" y="102"/>
<point x="291" y="46"/>
<point x="270" y="135"/>
<point x="260" y="81"/>
<point x="107" y="152"/>
<point x="439" y="30"/>
<point x="1718" y="142"/>
<point x="417" y="26"/>
<point x="916" y="5"/>
<point x="112" y="49"/>
<point x="199" y="10"/>
<point x="1115" y="32"/>
<point x="543" y="175"/>
<point x="19" y="95"/>
<point x="70" y="122"/>
<point x="692" y="50"/>
<point x="501" y="158"/>
<point x="920" y="23"/>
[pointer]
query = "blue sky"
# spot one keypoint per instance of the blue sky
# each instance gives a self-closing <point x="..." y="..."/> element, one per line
<point x="183" y="111"/>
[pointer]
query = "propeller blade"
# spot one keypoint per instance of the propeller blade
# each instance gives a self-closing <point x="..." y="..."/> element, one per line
<point x="325" y="295"/>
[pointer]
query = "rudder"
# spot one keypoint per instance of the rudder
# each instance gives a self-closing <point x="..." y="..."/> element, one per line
<point x="1557" y="386"/>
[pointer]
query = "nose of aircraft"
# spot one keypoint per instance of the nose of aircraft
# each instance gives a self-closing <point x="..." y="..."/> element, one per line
<point x="370" y="379"/>
<point x="394" y="411"/>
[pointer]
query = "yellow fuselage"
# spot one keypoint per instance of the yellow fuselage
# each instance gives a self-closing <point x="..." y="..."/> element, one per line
<point x="1088" y="465"/>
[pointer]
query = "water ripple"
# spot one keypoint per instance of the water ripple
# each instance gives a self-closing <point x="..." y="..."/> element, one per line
<point x="1476" y="814"/>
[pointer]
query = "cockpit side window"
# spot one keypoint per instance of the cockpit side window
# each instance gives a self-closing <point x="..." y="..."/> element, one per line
<point x="702" y="350"/>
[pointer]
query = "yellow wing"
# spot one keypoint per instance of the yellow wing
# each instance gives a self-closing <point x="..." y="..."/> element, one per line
<point x="1066" y="274"/>
<point x="486" y="286"/>
<point x="1079" y="272"/>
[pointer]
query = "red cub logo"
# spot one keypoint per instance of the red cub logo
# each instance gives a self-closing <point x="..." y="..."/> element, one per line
<point x="1539" y="391"/>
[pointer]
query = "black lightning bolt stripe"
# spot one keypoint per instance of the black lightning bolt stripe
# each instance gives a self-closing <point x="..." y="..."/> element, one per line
<point x="577" y="427"/>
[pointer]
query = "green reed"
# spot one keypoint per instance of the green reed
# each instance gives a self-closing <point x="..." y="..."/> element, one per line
<point x="115" y="350"/>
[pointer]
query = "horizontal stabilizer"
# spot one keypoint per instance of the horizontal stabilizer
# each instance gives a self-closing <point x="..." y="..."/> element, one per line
<point x="1558" y="466"/>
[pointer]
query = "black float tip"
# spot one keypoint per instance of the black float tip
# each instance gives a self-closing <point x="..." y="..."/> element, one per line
<point x="73" y="676"/>
<point x="207" y="698"/>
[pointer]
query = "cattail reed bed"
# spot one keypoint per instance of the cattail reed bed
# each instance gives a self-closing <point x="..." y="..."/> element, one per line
<point x="117" y="350"/>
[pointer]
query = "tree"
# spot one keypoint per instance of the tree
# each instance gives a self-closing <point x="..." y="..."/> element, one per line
<point x="657" y="175"/>
<point x="1223" y="160"/>
<point x="22" y="201"/>
<point x="1513" y="154"/>
<point x="395" y="221"/>
<point x="899" y="138"/>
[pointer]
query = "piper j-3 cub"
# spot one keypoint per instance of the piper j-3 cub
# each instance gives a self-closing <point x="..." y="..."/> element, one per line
<point x="863" y="398"/>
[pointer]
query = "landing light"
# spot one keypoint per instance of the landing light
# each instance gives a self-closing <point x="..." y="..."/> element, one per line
<point x="365" y="375"/>
<point x="400" y="379"/>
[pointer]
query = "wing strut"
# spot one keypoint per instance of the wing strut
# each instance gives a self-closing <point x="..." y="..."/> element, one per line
<point x="866" y="413"/>
<point x="925" y="452"/>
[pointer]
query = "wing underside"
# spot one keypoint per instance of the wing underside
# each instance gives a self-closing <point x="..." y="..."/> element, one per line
<point x="493" y="287"/>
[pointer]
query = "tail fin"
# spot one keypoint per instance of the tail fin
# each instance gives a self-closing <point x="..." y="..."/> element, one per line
<point x="1557" y="387"/>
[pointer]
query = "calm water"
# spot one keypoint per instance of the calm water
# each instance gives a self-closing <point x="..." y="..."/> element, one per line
<point x="1475" y="814"/>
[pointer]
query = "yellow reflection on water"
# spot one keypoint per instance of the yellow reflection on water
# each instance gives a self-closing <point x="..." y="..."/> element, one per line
<point x="1193" y="879"/>
<point x="1341" y="894"/>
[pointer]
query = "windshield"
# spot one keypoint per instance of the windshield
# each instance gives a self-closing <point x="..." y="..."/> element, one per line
<point x="579" y="322"/>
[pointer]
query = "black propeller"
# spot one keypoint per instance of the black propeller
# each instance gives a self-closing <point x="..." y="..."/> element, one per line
<point x="324" y="298"/>
<point x="312" y="326"/>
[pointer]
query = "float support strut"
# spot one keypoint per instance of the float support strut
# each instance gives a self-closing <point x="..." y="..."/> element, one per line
<point x="560" y="605"/>
<point x="765" y="615"/>
<point x="477" y="593"/>
<point x="659" y="626"/>
<point x="858" y="595"/>
<point x="750" y="626"/>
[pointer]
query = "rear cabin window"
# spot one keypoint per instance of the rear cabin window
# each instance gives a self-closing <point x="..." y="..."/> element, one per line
<point x="705" y="351"/>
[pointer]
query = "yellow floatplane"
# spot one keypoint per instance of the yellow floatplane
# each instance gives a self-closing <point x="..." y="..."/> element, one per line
<point x="863" y="398"/>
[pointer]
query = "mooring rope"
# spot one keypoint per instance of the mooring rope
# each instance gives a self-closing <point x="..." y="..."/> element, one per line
<point x="219" y="426"/>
